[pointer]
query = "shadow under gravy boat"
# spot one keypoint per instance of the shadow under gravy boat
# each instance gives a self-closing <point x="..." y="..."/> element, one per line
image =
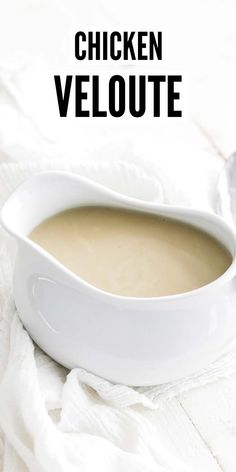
<point x="135" y="341"/>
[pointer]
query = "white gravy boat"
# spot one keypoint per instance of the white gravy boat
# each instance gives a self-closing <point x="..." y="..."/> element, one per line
<point x="135" y="341"/>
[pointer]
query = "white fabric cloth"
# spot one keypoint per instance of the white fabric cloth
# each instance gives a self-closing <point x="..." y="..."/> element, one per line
<point x="52" y="419"/>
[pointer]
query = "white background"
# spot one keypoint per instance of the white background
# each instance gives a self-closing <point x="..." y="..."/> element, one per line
<point x="199" y="42"/>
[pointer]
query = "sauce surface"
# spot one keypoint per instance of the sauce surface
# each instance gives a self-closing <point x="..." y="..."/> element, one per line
<point x="132" y="253"/>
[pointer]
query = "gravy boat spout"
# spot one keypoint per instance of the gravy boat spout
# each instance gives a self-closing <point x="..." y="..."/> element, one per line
<point x="134" y="341"/>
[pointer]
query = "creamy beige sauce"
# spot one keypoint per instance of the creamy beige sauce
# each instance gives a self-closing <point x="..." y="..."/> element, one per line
<point x="132" y="253"/>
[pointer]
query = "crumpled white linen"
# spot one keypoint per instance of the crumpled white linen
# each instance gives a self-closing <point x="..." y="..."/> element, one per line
<point x="53" y="419"/>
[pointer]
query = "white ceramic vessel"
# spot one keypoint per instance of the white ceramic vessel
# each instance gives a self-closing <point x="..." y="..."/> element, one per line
<point x="136" y="341"/>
